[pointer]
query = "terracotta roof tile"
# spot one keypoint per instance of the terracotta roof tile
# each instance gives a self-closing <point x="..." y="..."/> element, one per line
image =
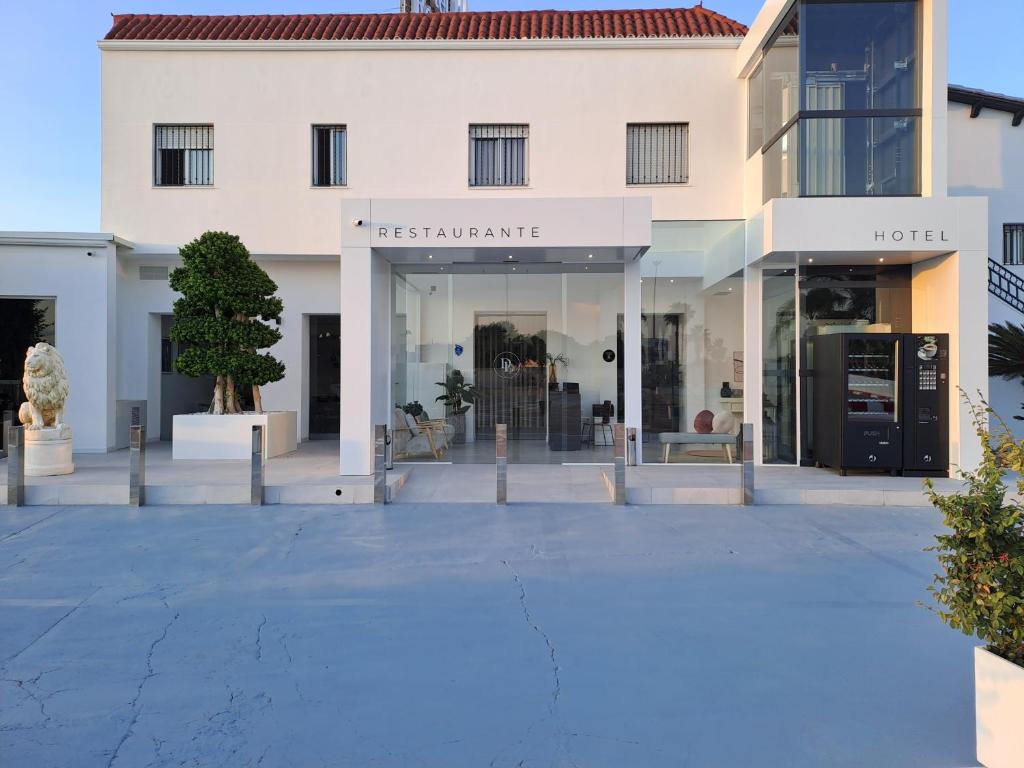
<point x="487" y="25"/>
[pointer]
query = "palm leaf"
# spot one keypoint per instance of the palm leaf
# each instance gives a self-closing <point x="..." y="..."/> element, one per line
<point x="1006" y="350"/>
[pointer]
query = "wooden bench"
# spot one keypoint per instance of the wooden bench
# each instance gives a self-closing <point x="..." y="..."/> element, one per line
<point x="725" y="440"/>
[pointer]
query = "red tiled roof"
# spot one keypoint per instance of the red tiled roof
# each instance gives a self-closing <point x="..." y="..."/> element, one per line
<point x="498" y="25"/>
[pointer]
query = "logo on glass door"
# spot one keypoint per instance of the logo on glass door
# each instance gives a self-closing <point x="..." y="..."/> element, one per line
<point x="507" y="365"/>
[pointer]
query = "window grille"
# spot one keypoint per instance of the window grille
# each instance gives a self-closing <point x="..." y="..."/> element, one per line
<point x="1013" y="243"/>
<point x="183" y="155"/>
<point x="498" y="155"/>
<point x="657" y="153"/>
<point x="330" y="160"/>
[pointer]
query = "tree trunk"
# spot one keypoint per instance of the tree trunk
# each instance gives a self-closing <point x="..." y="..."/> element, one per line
<point x="218" y="396"/>
<point x="257" y="401"/>
<point x="232" y="401"/>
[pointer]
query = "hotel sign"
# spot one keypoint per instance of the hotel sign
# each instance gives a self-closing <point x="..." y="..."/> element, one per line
<point x="911" y="236"/>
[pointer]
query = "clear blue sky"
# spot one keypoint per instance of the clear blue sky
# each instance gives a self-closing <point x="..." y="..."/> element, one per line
<point x="49" y="82"/>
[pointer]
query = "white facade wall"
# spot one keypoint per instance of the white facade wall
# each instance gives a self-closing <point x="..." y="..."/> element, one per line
<point x="986" y="157"/>
<point x="78" y="272"/>
<point x="408" y="136"/>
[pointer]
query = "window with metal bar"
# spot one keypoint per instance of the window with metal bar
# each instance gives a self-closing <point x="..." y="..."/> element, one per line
<point x="330" y="159"/>
<point x="498" y="155"/>
<point x="657" y="153"/>
<point x="1013" y="244"/>
<point x="183" y="155"/>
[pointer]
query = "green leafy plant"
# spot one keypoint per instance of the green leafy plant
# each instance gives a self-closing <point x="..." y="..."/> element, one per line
<point x="980" y="590"/>
<point x="1006" y="353"/>
<point x="226" y="301"/>
<point x="458" y="395"/>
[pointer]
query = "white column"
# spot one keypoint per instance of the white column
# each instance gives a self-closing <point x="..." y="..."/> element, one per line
<point x="631" y="352"/>
<point x="357" y="312"/>
<point x="752" y="362"/>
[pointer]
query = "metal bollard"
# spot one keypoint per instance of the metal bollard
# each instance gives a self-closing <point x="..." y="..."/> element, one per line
<point x="745" y="452"/>
<point x="619" y="435"/>
<point x="630" y="446"/>
<point x="8" y="422"/>
<point x="137" y="466"/>
<point x="16" y="467"/>
<point x="389" y="449"/>
<point x="258" y="467"/>
<point x="380" y="474"/>
<point x="501" y="461"/>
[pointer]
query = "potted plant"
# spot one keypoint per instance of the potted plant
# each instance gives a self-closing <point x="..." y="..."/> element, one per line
<point x="457" y="397"/>
<point x="980" y="590"/>
<point x="553" y="363"/>
<point x="222" y="317"/>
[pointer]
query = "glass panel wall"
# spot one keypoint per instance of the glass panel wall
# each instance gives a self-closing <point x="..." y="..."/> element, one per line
<point x="692" y="342"/>
<point x="532" y="346"/>
<point x="860" y="55"/>
<point x="23" y="322"/>
<point x="856" y="111"/>
<point x="779" y="366"/>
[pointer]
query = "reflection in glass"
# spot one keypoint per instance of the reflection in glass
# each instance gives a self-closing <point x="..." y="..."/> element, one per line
<point x="856" y="156"/>
<point x="782" y="166"/>
<point x="692" y="342"/>
<point x="782" y="78"/>
<point x="779" y="372"/>
<point x="523" y="336"/>
<point x="871" y="380"/>
<point x="860" y="55"/>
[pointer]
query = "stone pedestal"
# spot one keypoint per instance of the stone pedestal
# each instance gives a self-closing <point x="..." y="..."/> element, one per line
<point x="48" y="452"/>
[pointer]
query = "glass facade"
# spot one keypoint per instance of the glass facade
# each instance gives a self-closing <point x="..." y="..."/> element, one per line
<point x="842" y="100"/>
<point x="779" y="366"/>
<point x="534" y="346"/>
<point x="692" y="341"/>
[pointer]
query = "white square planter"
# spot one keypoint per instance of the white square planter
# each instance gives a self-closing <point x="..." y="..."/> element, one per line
<point x="208" y="437"/>
<point x="999" y="710"/>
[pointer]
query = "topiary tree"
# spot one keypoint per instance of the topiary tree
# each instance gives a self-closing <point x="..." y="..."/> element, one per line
<point x="226" y="299"/>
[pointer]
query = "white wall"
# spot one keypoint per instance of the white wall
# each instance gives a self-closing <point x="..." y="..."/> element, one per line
<point x="408" y="136"/>
<point x="305" y="288"/>
<point x="986" y="157"/>
<point x="84" y="290"/>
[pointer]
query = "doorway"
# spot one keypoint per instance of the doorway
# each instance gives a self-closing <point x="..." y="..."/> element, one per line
<point x="324" y="376"/>
<point x="510" y="371"/>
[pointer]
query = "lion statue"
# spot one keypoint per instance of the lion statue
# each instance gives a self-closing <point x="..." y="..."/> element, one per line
<point x="46" y="387"/>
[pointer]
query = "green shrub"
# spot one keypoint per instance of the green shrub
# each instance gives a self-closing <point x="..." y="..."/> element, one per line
<point x="980" y="590"/>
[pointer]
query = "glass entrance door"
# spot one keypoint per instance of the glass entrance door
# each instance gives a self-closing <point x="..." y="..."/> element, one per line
<point x="533" y="346"/>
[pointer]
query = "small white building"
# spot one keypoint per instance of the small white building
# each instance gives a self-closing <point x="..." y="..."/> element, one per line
<point x="669" y="202"/>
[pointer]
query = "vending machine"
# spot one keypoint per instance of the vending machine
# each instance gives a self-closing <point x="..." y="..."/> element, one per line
<point x="881" y="401"/>
<point x="926" y="405"/>
<point x="857" y="401"/>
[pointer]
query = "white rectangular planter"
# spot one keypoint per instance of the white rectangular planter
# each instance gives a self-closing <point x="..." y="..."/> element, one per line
<point x="208" y="437"/>
<point x="999" y="710"/>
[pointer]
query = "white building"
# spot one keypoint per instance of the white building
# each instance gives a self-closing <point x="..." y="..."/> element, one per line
<point x="986" y="143"/>
<point x="666" y="199"/>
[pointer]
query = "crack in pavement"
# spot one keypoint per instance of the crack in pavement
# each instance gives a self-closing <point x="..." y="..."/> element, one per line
<point x="51" y="627"/>
<point x="869" y="551"/>
<point x="29" y="526"/>
<point x="557" y="690"/>
<point x="259" y="638"/>
<point x="150" y="673"/>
